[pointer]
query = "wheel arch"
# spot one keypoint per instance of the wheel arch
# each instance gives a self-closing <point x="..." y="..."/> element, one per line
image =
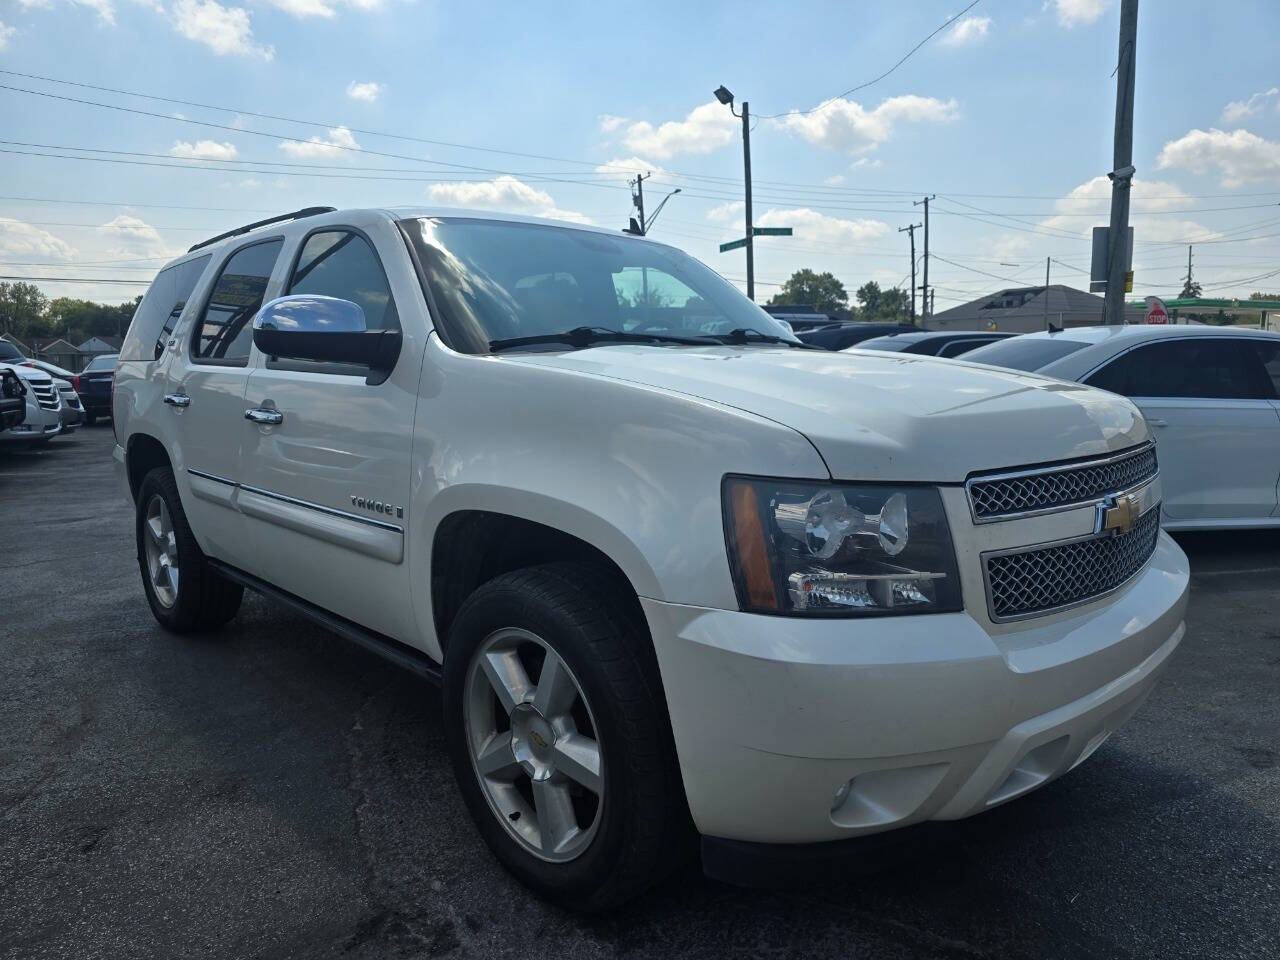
<point x="143" y="453"/>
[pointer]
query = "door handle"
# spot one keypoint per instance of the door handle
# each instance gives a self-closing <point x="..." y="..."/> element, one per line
<point x="1157" y="423"/>
<point x="177" y="399"/>
<point x="263" y="416"/>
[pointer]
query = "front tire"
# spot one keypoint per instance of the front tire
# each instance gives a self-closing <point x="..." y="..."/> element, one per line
<point x="183" y="591"/>
<point x="559" y="736"/>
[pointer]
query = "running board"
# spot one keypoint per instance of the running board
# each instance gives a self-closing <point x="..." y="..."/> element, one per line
<point x="401" y="654"/>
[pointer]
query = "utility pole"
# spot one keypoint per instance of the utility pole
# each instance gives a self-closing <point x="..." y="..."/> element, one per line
<point x="926" y="309"/>
<point x="1122" y="165"/>
<point x="637" y="197"/>
<point x="1047" y="261"/>
<point x="911" y="232"/>
<point x="746" y="166"/>
<point x="1188" y="267"/>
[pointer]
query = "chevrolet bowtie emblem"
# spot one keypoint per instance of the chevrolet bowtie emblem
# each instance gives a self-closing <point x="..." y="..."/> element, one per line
<point x="1117" y="515"/>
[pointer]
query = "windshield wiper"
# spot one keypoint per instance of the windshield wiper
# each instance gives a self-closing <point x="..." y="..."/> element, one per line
<point x="745" y="335"/>
<point x="581" y="337"/>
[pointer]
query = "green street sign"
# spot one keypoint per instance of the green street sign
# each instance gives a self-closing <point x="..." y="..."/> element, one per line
<point x="771" y="231"/>
<point x="733" y="245"/>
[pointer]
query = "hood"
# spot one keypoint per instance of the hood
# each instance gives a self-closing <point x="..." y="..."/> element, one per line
<point x="29" y="374"/>
<point x="883" y="416"/>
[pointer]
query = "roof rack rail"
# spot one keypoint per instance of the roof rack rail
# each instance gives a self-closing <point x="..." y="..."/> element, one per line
<point x="296" y="215"/>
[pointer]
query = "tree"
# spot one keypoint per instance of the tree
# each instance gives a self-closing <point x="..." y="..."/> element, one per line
<point x="822" y="291"/>
<point x="1190" y="289"/>
<point x="1259" y="295"/>
<point x="869" y="298"/>
<point x="22" y="306"/>
<point x="877" y="304"/>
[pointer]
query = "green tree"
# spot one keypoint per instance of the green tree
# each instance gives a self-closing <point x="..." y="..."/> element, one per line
<point x="869" y="299"/>
<point x="1259" y="295"/>
<point x="886" y="305"/>
<point x="822" y="291"/>
<point x="22" y="308"/>
<point x="1190" y="289"/>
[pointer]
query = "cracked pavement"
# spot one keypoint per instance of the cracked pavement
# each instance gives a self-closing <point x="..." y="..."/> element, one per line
<point x="273" y="791"/>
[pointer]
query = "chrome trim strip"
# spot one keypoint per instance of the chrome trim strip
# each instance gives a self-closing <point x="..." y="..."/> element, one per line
<point x="369" y="521"/>
<point x="1059" y="468"/>
<point x="1048" y="545"/>
<point x="370" y="539"/>
<point x="321" y="508"/>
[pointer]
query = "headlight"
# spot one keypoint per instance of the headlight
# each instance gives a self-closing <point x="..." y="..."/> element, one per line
<point x="835" y="549"/>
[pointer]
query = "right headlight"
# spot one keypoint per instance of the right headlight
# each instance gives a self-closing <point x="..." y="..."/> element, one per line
<point x="827" y="549"/>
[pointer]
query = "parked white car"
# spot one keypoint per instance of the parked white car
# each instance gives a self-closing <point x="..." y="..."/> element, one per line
<point x="43" y="419"/>
<point x="1211" y="395"/>
<point x="670" y="565"/>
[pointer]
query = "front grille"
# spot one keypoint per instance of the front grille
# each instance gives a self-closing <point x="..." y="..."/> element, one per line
<point x="46" y="395"/>
<point x="1052" y="488"/>
<point x="1036" y="581"/>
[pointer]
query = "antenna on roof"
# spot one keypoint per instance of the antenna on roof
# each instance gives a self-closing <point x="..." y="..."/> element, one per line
<point x="296" y="215"/>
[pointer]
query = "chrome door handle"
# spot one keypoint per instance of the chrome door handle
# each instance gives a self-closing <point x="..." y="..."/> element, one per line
<point x="262" y="415"/>
<point x="1158" y="423"/>
<point x="177" y="399"/>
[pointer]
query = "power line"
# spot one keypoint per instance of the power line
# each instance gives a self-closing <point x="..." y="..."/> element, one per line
<point x="135" y="283"/>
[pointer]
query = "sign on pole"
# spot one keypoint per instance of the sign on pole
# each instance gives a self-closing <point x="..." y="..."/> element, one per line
<point x="1156" y="312"/>
<point x="733" y="245"/>
<point x="771" y="231"/>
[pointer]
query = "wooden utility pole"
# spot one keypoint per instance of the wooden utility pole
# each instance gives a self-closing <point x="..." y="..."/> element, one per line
<point x="1122" y="166"/>
<point x="911" y="232"/>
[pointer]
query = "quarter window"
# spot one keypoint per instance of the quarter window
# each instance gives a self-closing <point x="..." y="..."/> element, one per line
<point x="1269" y="356"/>
<point x="1192" y="367"/>
<point x="224" y="333"/>
<point x="340" y="263"/>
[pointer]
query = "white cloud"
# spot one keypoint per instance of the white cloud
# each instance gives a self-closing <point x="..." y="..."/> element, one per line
<point x="504" y="193"/>
<point x="848" y="125"/>
<point x="368" y="91"/>
<point x="1237" y="110"/>
<point x="627" y="167"/>
<point x="320" y="8"/>
<point x="224" y="30"/>
<point x="726" y="211"/>
<point x="706" y="128"/>
<point x="203" y="150"/>
<point x="969" y="30"/>
<point x="23" y="240"/>
<point x="811" y="225"/>
<point x="609" y="122"/>
<point x="104" y="8"/>
<point x="871" y="162"/>
<point x="336" y="142"/>
<point x="6" y="33"/>
<point x="1239" y="156"/>
<point x="834" y="180"/>
<point x="1073" y="13"/>
<point x="129" y="236"/>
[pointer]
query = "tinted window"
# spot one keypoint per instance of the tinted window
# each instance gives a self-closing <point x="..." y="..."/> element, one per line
<point x="957" y="347"/>
<point x="223" y="332"/>
<point x="1201" y="367"/>
<point x="9" y="352"/>
<point x="1269" y="357"/>
<point x="106" y="361"/>
<point x="1025" y="353"/>
<point x="338" y="263"/>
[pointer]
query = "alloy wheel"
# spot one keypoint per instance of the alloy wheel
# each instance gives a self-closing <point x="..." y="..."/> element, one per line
<point x="534" y="744"/>
<point x="161" y="547"/>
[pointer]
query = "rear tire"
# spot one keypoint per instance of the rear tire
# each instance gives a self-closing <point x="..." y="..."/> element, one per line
<point x="183" y="591"/>
<point x="597" y="773"/>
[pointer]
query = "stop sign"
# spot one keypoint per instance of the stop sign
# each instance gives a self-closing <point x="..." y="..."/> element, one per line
<point x="1156" y="312"/>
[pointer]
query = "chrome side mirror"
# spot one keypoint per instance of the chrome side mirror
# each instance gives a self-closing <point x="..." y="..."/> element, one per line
<point x="324" y="330"/>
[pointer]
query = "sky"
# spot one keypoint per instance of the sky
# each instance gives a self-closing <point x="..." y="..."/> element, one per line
<point x="1006" y="115"/>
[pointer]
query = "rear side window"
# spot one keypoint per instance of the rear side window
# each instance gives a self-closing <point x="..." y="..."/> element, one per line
<point x="1192" y="367"/>
<point x="1269" y="357"/>
<point x="340" y="263"/>
<point x="1025" y="353"/>
<point x="159" y="310"/>
<point x="957" y="347"/>
<point x="223" y="332"/>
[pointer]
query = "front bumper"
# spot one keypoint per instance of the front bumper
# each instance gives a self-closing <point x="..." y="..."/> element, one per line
<point x="799" y="731"/>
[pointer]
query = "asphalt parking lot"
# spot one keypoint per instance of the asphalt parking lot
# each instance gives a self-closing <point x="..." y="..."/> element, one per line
<point x="276" y="792"/>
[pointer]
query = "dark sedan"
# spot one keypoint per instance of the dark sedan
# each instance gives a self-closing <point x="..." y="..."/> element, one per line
<point x="934" y="343"/>
<point x="841" y="336"/>
<point x="93" y="385"/>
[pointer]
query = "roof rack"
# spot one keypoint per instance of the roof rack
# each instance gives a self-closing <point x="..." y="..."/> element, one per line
<point x="296" y="215"/>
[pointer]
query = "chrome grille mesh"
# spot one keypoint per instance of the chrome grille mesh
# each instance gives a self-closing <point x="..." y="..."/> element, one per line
<point x="1059" y="486"/>
<point x="1039" y="580"/>
<point x="46" y="395"/>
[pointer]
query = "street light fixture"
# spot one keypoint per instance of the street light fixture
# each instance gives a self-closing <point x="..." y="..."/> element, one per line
<point x="654" y="216"/>
<point x="725" y="97"/>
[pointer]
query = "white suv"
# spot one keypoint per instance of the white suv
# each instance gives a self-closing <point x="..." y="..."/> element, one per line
<point x="675" y="571"/>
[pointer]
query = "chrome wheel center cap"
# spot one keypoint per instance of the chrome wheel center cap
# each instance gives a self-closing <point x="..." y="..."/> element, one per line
<point x="533" y="742"/>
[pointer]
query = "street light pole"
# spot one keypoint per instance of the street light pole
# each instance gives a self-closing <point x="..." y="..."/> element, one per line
<point x="1122" y="166"/>
<point x="725" y="97"/>
<point x="911" y="232"/>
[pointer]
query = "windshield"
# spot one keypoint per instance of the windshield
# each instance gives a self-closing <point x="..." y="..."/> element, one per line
<point x="103" y="362"/>
<point x="1025" y="353"/>
<point x="8" y="352"/>
<point x="497" y="280"/>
